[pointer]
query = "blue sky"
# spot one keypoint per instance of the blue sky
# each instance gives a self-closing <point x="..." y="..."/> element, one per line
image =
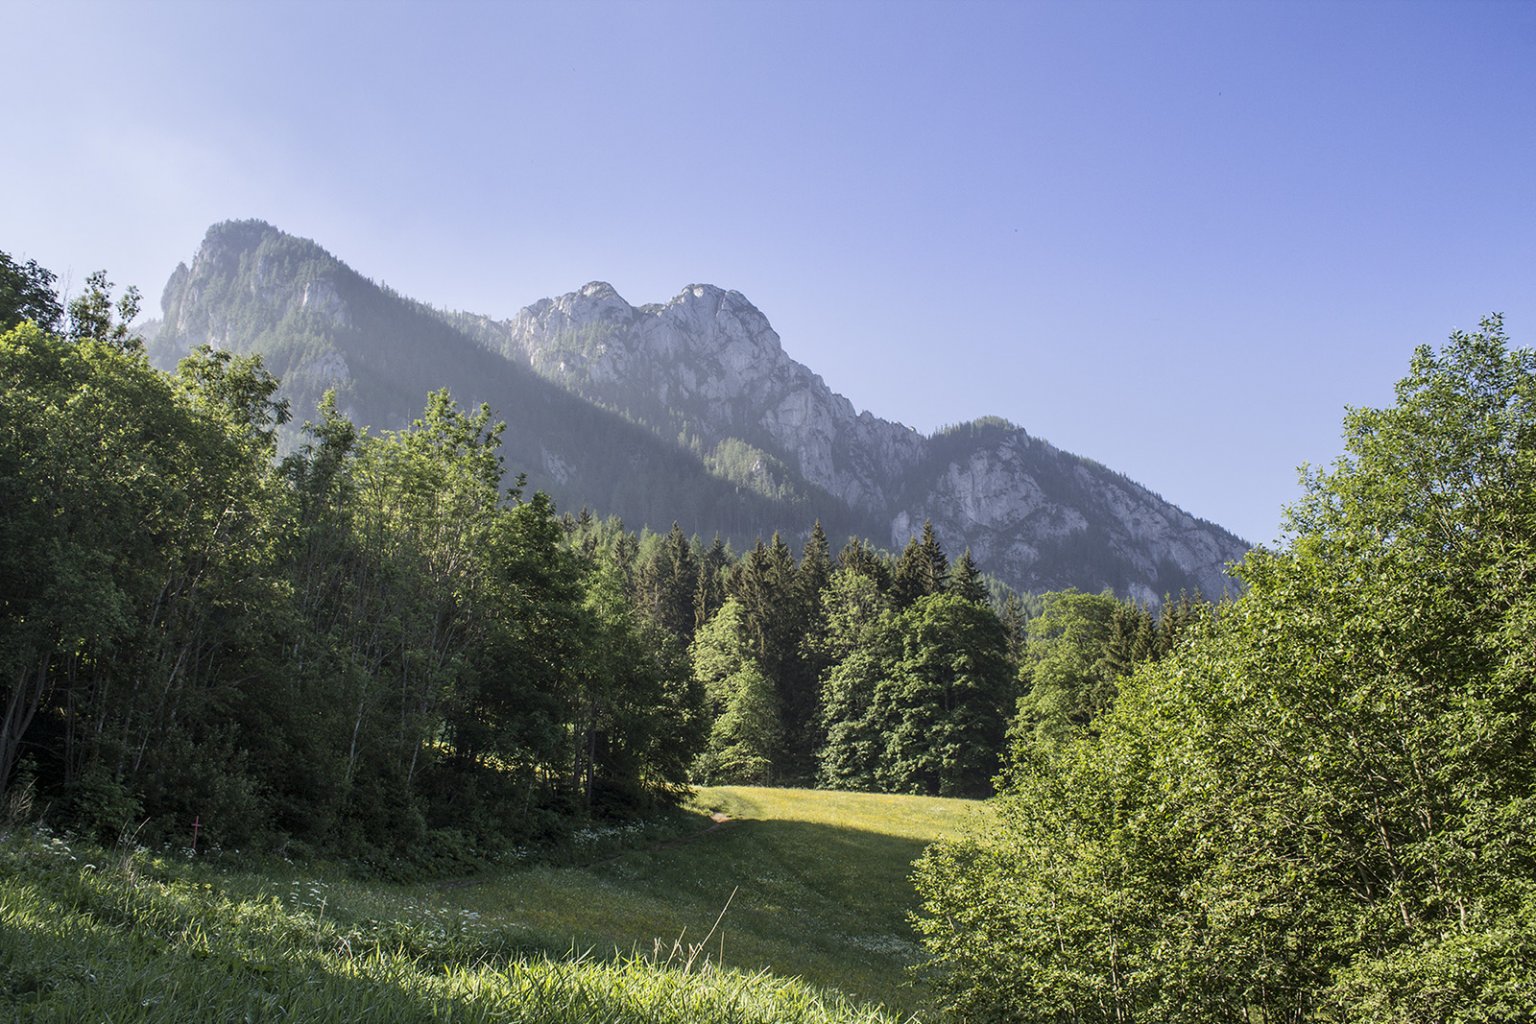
<point x="1178" y="238"/>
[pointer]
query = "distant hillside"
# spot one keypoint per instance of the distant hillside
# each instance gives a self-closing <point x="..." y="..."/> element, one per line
<point x="687" y="410"/>
<point x="319" y="324"/>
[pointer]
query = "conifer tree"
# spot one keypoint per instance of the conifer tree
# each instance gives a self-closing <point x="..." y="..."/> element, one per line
<point x="859" y="557"/>
<point x="776" y="614"/>
<point x="859" y="644"/>
<point x="966" y="582"/>
<point x="747" y="727"/>
<point x="1176" y="619"/>
<point x="945" y="704"/>
<point x="815" y="575"/>
<point x="666" y="578"/>
<point x="1015" y="619"/>
<point x="815" y="563"/>
<point x="1130" y="628"/>
<point x="709" y="593"/>
<point x="922" y="570"/>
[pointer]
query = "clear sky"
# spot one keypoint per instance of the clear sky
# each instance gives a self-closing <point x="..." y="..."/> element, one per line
<point x="1178" y="238"/>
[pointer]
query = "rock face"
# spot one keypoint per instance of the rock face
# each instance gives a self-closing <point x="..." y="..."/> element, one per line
<point x="707" y="365"/>
<point x="687" y="410"/>
<point x="709" y="362"/>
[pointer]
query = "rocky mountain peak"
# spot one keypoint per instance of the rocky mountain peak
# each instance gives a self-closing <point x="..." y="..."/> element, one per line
<point x="707" y="364"/>
<point x="703" y="375"/>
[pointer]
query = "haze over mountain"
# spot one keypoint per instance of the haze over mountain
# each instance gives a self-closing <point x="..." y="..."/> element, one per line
<point x="687" y="410"/>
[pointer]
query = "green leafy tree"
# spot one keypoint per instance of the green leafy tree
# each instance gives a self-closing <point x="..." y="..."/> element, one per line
<point x="747" y="729"/>
<point x="27" y="293"/>
<point x="138" y="575"/>
<point x="947" y="701"/>
<point x="1069" y="671"/>
<point x="1320" y="806"/>
<point x="93" y="314"/>
<point x="69" y="434"/>
<point x="640" y="720"/>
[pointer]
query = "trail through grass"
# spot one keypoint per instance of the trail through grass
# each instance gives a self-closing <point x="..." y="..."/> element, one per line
<point x="816" y="885"/>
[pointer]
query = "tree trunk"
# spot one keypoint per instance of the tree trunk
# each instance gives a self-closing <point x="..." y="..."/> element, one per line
<point x="27" y="693"/>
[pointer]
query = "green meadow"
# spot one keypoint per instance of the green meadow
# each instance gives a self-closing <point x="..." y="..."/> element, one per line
<point x="754" y="905"/>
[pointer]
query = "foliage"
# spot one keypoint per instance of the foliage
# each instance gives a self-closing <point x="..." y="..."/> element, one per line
<point x="914" y="699"/>
<point x="93" y="314"/>
<point x="26" y="293"/>
<point x="1078" y="649"/>
<point x="946" y="700"/>
<point x="747" y="720"/>
<point x="860" y="642"/>
<point x="1320" y="805"/>
<point x="922" y="570"/>
<point x="366" y="646"/>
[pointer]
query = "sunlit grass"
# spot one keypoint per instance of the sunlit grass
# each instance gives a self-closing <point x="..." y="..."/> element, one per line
<point x="815" y="883"/>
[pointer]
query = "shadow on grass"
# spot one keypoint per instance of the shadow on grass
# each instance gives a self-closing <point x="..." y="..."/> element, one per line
<point x="826" y="903"/>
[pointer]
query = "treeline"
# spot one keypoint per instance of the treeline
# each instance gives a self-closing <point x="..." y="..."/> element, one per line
<point x="871" y="672"/>
<point x="373" y="647"/>
<point x="1321" y="804"/>
<point x="367" y="646"/>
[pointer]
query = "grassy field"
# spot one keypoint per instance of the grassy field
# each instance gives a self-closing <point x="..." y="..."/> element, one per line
<point x="813" y="889"/>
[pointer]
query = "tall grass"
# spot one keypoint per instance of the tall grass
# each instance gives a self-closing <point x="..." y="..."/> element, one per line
<point x="88" y="938"/>
<point x="795" y="910"/>
<point x="820" y="880"/>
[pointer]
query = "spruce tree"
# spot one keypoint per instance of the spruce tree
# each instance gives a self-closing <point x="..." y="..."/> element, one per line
<point x="860" y="645"/>
<point x="709" y="590"/>
<point x="815" y="575"/>
<point x="765" y="583"/>
<point x="1015" y="620"/>
<point x="747" y="727"/>
<point x="945" y="704"/>
<point x="816" y="563"/>
<point x="859" y="557"/>
<point x="966" y="582"/>
<point x="665" y="581"/>
<point x="922" y="570"/>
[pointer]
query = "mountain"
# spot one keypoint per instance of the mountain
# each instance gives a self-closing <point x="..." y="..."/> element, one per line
<point x="707" y="366"/>
<point x="688" y="410"/>
<point x="318" y="324"/>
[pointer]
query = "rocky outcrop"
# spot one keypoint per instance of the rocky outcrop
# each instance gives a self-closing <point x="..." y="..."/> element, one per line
<point x="1045" y="518"/>
<point x="322" y="327"/>
<point x="708" y="365"/>
<point x="708" y="362"/>
<point x="688" y="410"/>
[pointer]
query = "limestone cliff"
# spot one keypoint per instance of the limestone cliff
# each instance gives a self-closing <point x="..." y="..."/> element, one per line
<point x="686" y="410"/>
<point x="708" y="365"/>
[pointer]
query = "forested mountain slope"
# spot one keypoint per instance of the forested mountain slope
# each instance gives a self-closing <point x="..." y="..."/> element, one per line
<point x="688" y="410"/>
